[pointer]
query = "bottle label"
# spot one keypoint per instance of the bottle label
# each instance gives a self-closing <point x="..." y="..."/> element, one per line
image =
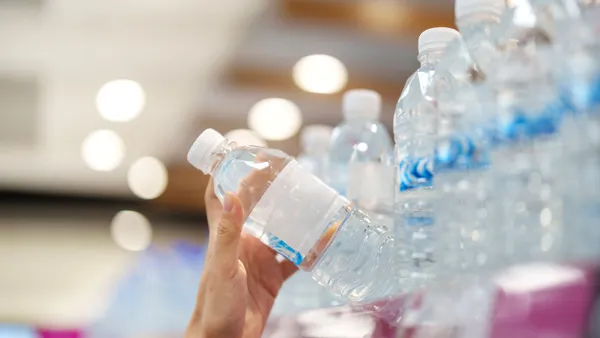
<point x="371" y="184"/>
<point x="415" y="173"/>
<point x="519" y="126"/>
<point x="460" y="152"/>
<point x="296" y="210"/>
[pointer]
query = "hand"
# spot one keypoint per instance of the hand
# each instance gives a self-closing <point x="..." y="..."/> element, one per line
<point x="241" y="275"/>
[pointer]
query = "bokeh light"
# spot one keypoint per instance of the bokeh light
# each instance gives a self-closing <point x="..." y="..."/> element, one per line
<point x="245" y="137"/>
<point x="120" y="100"/>
<point x="320" y="73"/>
<point x="275" y="119"/>
<point x="131" y="230"/>
<point x="103" y="150"/>
<point x="147" y="178"/>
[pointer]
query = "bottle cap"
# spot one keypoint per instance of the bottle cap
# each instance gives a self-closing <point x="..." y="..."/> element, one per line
<point x="467" y="7"/>
<point x="436" y="38"/>
<point x="203" y="147"/>
<point x="361" y="103"/>
<point x="316" y="135"/>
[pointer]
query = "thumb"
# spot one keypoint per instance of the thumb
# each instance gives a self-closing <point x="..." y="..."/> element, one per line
<point x="228" y="232"/>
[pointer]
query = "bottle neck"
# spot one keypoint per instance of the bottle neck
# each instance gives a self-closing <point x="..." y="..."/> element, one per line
<point x="218" y="154"/>
<point x="360" y="120"/>
<point x="431" y="57"/>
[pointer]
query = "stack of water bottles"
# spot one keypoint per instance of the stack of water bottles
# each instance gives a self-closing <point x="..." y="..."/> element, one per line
<point x="496" y="161"/>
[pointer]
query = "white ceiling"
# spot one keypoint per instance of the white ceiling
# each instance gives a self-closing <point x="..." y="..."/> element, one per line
<point x="174" y="49"/>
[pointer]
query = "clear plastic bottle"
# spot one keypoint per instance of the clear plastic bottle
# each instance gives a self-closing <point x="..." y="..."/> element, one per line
<point x="415" y="131"/>
<point x="528" y="158"/>
<point x="315" y="140"/>
<point x="372" y="157"/>
<point x="301" y="292"/>
<point x="300" y="217"/>
<point x="462" y="208"/>
<point x="579" y="79"/>
<point x="361" y="135"/>
<point x="528" y="185"/>
<point x="468" y="59"/>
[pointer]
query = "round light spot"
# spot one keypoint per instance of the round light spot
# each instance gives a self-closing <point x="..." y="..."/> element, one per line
<point x="275" y="119"/>
<point x="322" y="74"/>
<point x="147" y="178"/>
<point x="120" y="100"/>
<point x="131" y="230"/>
<point x="103" y="150"/>
<point x="245" y="137"/>
<point x="362" y="147"/>
<point x="546" y="217"/>
<point x="475" y="236"/>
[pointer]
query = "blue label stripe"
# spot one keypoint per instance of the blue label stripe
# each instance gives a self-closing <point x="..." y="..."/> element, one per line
<point x="285" y="250"/>
<point x="415" y="173"/>
<point x="460" y="152"/>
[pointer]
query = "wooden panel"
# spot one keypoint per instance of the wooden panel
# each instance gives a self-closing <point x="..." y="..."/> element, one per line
<point x="388" y="17"/>
<point x="270" y="80"/>
<point x="185" y="192"/>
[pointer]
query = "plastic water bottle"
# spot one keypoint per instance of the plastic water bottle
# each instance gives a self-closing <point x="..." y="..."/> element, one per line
<point x="528" y="183"/>
<point x="361" y="136"/>
<point x="372" y="157"/>
<point x="528" y="161"/>
<point x="315" y="140"/>
<point x="579" y="78"/>
<point x="301" y="292"/>
<point x="462" y="153"/>
<point x="415" y="132"/>
<point x="300" y="217"/>
<point x="468" y="59"/>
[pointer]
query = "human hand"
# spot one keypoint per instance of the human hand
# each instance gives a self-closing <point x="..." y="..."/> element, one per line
<point x="241" y="275"/>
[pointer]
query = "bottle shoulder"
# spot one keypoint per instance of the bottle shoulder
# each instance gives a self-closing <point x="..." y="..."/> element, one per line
<point x="346" y="131"/>
<point x="415" y="91"/>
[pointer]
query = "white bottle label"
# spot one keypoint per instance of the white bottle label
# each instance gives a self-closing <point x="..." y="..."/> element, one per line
<point x="296" y="210"/>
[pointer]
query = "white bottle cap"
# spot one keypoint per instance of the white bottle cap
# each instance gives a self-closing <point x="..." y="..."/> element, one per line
<point x="361" y="103"/>
<point x="436" y="38"/>
<point x="467" y="7"/>
<point x="203" y="147"/>
<point x="316" y="135"/>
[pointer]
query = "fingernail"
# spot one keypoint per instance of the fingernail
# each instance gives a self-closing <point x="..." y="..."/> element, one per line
<point x="228" y="202"/>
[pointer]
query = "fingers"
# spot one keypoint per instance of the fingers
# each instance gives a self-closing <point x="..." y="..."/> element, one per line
<point x="287" y="269"/>
<point x="225" y="238"/>
<point x="212" y="203"/>
<point x="209" y="193"/>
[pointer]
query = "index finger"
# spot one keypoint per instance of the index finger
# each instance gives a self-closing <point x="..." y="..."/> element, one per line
<point x="212" y="203"/>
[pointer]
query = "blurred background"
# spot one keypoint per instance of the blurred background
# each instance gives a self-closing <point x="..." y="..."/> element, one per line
<point x="100" y="101"/>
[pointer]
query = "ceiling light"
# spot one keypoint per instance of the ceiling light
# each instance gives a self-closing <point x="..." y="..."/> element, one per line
<point x="120" y="100"/>
<point x="321" y="74"/>
<point x="131" y="230"/>
<point x="245" y="137"/>
<point x="275" y="119"/>
<point x="147" y="178"/>
<point x="103" y="150"/>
